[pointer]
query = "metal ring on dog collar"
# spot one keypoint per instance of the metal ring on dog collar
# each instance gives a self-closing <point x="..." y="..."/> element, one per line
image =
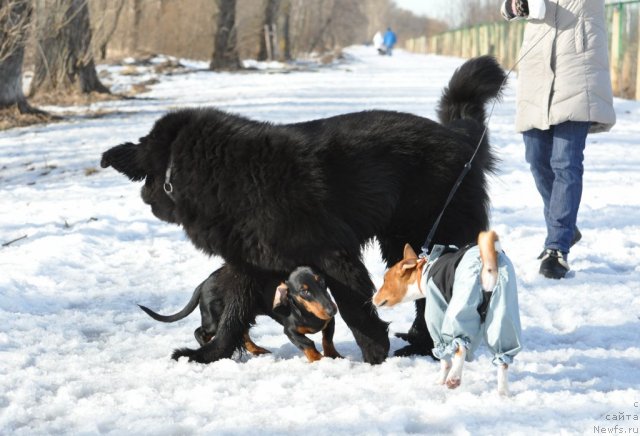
<point x="168" y="187"/>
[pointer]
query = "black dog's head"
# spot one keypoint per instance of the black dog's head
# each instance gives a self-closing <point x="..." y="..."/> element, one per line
<point x="308" y="290"/>
<point x="148" y="160"/>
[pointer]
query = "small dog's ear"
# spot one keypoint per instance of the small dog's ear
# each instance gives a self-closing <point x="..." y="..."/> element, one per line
<point x="409" y="253"/>
<point x="280" y="299"/>
<point x="125" y="158"/>
<point x="409" y="264"/>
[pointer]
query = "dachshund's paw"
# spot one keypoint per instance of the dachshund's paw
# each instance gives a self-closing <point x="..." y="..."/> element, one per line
<point x="182" y="352"/>
<point x="193" y="355"/>
<point x="329" y="350"/>
<point x="211" y="352"/>
<point x="332" y="353"/>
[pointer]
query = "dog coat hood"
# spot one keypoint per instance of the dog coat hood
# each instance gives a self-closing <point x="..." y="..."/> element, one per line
<point x="442" y="269"/>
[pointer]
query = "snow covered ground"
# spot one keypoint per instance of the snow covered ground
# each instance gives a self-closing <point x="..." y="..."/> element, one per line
<point x="77" y="356"/>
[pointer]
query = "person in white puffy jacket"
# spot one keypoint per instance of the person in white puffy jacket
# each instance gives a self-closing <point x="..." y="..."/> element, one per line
<point x="564" y="93"/>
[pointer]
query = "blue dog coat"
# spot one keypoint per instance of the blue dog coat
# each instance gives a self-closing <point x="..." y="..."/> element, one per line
<point x="452" y="305"/>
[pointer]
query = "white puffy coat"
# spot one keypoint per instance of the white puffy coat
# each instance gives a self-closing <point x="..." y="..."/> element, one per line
<point x="565" y="74"/>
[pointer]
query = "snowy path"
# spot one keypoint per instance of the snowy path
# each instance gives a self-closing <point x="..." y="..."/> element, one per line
<point x="78" y="357"/>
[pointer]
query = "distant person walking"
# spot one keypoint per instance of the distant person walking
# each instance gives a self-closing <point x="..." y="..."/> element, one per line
<point x="564" y="93"/>
<point x="389" y="41"/>
<point x="378" y="42"/>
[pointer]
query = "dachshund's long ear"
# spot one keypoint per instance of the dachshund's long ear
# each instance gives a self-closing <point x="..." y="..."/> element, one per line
<point x="125" y="158"/>
<point x="280" y="298"/>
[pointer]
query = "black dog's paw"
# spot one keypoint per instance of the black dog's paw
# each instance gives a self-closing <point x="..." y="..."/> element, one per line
<point x="414" y="350"/>
<point x="375" y="343"/>
<point x="375" y="352"/>
<point x="415" y="336"/>
<point x="404" y="336"/>
<point x="419" y="343"/>
<point x="375" y="355"/>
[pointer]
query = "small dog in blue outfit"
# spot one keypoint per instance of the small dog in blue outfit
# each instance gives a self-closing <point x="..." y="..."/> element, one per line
<point x="471" y="295"/>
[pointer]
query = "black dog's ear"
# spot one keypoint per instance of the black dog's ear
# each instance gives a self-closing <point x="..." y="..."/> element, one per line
<point x="124" y="158"/>
<point x="280" y="299"/>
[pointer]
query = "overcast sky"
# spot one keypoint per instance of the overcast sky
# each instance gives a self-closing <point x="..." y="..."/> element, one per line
<point x="441" y="9"/>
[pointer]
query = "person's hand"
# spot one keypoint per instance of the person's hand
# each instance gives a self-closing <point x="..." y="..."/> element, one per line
<point x="520" y="8"/>
<point x="515" y="9"/>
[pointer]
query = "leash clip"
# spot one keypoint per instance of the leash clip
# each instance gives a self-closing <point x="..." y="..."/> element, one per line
<point x="436" y="252"/>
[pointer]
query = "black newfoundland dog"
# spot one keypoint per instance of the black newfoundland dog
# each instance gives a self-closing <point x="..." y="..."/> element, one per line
<point x="268" y="198"/>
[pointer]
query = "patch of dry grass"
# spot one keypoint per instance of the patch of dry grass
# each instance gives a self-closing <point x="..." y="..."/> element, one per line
<point x="61" y="98"/>
<point x="12" y="117"/>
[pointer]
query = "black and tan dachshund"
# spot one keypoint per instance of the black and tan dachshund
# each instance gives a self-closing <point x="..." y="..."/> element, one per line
<point x="301" y="304"/>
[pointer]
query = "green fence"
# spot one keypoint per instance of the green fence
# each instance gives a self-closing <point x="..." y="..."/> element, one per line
<point x="503" y="40"/>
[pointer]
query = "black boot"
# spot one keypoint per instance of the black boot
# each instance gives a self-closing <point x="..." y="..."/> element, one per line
<point x="576" y="237"/>
<point x="554" y="264"/>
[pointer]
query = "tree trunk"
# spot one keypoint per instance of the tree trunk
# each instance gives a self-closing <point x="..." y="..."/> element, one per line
<point x="107" y="25"/>
<point x="270" y="18"/>
<point x="135" y="28"/>
<point x="15" y="16"/>
<point x="286" y="32"/>
<point x="321" y="35"/>
<point x="225" y="50"/>
<point x="66" y="62"/>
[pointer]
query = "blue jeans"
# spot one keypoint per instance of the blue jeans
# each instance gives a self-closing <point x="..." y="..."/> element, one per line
<point x="458" y="323"/>
<point x="555" y="157"/>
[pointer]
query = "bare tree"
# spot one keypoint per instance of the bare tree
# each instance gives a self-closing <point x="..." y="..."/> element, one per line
<point x="480" y="11"/>
<point x="186" y="28"/>
<point x="286" y="30"/>
<point x="408" y="25"/>
<point x="225" y="50"/>
<point x="135" y="28"/>
<point x="270" y="20"/>
<point x="377" y="12"/>
<point x="348" y="25"/>
<point x="105" y="22"/>
<point x="65" y="63"/>
<point x="15" y="18"/>
<point x="318" y="39"/>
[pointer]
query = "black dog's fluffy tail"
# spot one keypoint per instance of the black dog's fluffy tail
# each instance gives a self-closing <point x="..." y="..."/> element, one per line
<point x="186" y="310"/>
<point x="472" y="85"/>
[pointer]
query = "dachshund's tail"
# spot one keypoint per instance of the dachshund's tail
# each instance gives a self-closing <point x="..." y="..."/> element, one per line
<point x="183" y="313"/>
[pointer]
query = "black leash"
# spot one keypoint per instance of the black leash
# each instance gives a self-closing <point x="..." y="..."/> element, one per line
<point x="467" y="166"/>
